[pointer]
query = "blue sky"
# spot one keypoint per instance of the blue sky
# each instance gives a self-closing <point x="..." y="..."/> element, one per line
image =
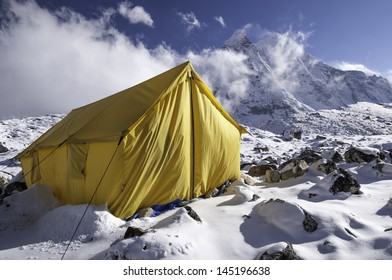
<point x="356" y="31"/>
<point x="66" y="53"/>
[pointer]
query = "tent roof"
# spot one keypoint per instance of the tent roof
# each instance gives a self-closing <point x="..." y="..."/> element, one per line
<point x="109" y="118"/>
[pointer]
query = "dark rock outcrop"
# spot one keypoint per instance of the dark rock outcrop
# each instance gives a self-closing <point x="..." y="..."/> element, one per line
<point x="192" y="213"/>
<point x="355" y="155"/>
<point x="260" y="170"/>
<point x="345" y="182"/>
<point x="287" y="253"/>
<point x="3" y="149"/>
<point x="133" y="231"/>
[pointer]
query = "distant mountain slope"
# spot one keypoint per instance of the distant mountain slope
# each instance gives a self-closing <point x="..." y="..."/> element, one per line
<point x="287" y="82"/>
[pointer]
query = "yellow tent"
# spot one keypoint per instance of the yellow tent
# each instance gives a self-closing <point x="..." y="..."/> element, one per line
<point x="164" y="139"/>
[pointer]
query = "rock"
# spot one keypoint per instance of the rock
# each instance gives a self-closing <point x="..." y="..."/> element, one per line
<point x="308" y="155"/>
<point x="288" y="174"/>
<point x="3" y="149"/>
<point x="297" y="134"/>
<point x="289" y="135"/>
<point x="271" y="160"/>
<point x="133" y="231"/>
<point x="254" y="198"/>
<point x="337" y="157"/>
<point x="356" y="155"/>
<point x="287" y="253"/>
<point x="259" y="170"/>
<point x="345" y="182"/>
<point x="293" y="169"/>
<point x="300" y="168"/>
<point x="383" y="167"/>
<point x="145" y="212"/>
<point x="350" y="232"/>
<point x="327" y="167"/>
<point x="14" y="186"/>
<point x="309" y="222"/>
<point x="320" y="138"/>
<point x="272" y="176"/>
<point x="212" y="193"/>
<point x="2" y="183"/>
<point x="261" y="149"/>
<point x="192" y="214"/>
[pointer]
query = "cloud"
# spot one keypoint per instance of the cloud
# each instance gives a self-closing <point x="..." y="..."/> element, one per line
<point x="284" y="51"/>
<point x="225" y="72"/>
<point x="348" y="66"/>
<point x="136" y="14"/>
<point x="54" y="61"/>
<point x="190" y="20"/>
<point x="388" y="75"/>
<point x="220" y="20"/>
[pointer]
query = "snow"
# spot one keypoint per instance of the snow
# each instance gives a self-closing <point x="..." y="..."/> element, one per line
<point x="250" y="218"/>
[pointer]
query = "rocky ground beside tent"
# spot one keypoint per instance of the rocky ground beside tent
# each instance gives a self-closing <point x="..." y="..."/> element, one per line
<point x="300" y="196"/>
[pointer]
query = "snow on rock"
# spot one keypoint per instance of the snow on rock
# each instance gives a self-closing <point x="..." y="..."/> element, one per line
<point x="283" y="215"/>
<point x="172" y="238"/>
<point x="60" y="223"/>
<point x="242" y="193"/>
<point x="280" y="251"/>
<point x="33" y="202"/>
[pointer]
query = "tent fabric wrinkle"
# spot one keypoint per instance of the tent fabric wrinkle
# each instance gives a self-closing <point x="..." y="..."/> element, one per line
<point x="164" y="139"/>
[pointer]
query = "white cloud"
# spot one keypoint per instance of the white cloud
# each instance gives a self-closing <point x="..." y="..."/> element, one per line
<point x="388" y="75"/>
<point x="284" y="51"/>
<point x="136" y="14"/>
<point x="52" y="62"/>
<point x="225" y="72"/>
<point x="348" y="66"/>
<point x="220" y="20"/>
<point x="190" y="20"/>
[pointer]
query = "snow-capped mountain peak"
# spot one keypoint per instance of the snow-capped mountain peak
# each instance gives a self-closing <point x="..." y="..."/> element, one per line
<point x="288" y="81"/>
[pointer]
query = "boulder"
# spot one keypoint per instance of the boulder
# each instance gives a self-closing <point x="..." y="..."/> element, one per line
<point x="145" y="212"/>
<point x="345" y="182"/>
<point x="308" y="155"/>
<point x="289" y="135"/>
<point x="271" y="160"/>
<point x="2" y="183"/>
<point x="297" y="134"/>
<point x="293" y="169"/>
<point x="133" y="231"/>
<point x="287" y="174"/>
<point x="14" y="186"/>
<point x="320" y="138"/>
<point x="383" y="167"/>
<point x="3" y="149"/>
<point x="272" y="176"/>
<point x="287" y="253"/>
<point x="327" y="167"/>
<point x="337" y="157"/>
<point x="357" y="155"/>
<point x="309" y="222"/>
<point x="192" y="213"/>
<point x="260" y="170"/>
<point x="261" y="149"/>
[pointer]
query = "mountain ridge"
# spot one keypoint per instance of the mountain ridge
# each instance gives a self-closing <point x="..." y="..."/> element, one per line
<point x="288" y="82"/>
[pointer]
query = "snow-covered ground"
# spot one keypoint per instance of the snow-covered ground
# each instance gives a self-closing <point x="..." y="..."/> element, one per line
<point x="252" y="217"/>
